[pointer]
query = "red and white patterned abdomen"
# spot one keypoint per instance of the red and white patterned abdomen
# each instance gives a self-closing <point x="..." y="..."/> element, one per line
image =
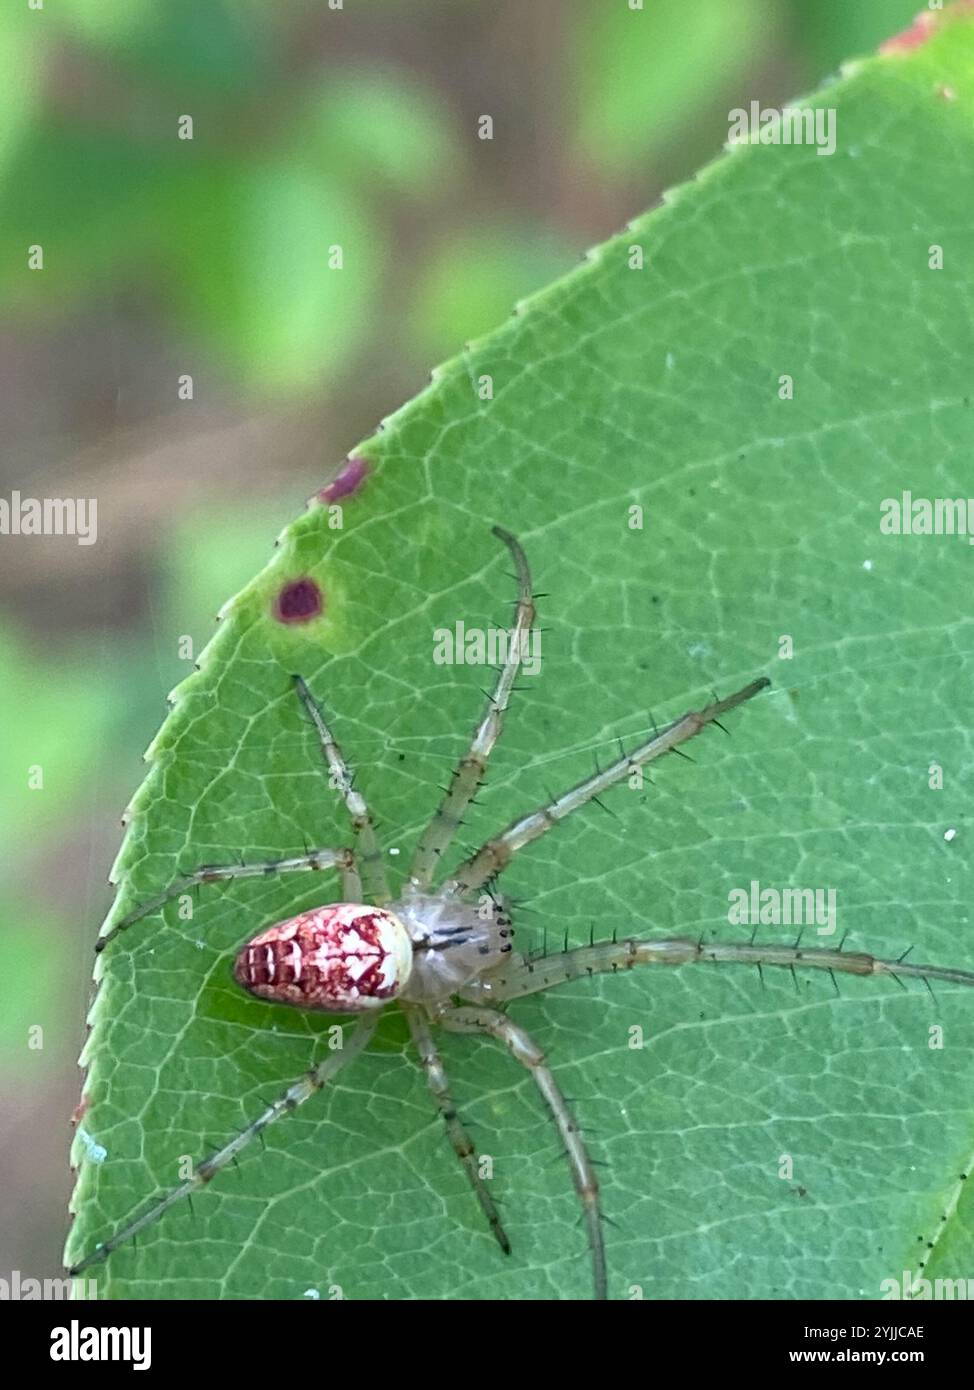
<point x="342" y="958"/>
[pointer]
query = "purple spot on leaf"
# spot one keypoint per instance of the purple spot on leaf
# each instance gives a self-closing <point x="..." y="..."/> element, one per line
<point x="298" y="602"/>
<point x="349" y="480"/>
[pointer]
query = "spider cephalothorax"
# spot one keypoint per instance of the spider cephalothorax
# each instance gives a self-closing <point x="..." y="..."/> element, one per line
<point x="443" y="953"/>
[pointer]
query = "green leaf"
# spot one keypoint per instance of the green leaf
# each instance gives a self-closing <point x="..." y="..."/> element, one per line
<point x="614" y="388"/>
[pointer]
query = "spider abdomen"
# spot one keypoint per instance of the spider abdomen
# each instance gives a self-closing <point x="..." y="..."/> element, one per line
<point x="341" y="958"/>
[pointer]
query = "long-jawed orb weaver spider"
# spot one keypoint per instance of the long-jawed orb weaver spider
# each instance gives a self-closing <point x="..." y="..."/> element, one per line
<point x="444" y="953"/>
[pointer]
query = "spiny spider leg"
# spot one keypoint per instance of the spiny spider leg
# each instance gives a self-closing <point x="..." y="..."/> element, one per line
<point x="293" y="1097"/>
<point x="439" y="833"/>
<point x="529" y="977"/>
<point x="215" y="873"/>
<point x="462" y="1146"/>
<point x="522" y="1047"/>
<point x="369" y="856"/>
<point x="496" y="854"/>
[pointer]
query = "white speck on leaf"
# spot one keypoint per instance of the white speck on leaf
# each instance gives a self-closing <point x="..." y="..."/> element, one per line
<point x="94" y="1151"/>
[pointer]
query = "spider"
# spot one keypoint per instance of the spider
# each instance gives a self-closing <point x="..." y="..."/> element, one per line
<point x="444" y="953"/>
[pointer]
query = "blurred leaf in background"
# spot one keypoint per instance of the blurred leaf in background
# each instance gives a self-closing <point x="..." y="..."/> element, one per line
<point x="60" y="712"/>
<point x="829" y="32"/>
<point x="19" y="86"/>
<point x="61" y="708"/>
<point x="264" y="236"/>
<point x="276" y="272"/>
<point x="297" y="166"/>
<point x="201" y="561"/>
<point x="643" y="75"/>
<point x="32" y="980"/>
<point x="114" y="23"/>
<point x="473" y="280"/>
<point x="383" y="126"/>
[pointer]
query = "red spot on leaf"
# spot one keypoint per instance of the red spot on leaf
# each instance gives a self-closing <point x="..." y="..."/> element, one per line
<point x="298" y="602"/>
<point x="917" y="34"/>
<point x="923" y="28"/>
<point x="349" y="480"/>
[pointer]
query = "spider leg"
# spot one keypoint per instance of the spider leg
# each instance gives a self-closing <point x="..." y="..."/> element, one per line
<point x="496" y="854"/>
<point x="351" y="883"/>
<point x="205" y="1172"/>
<point x="439" y="833"/>
<point x="369" y="856"/>
<point x="462" y="1146"/>
<point x="522" y="1047"/>
<point x="216" y="873"/>
<point x="523" y="977"/>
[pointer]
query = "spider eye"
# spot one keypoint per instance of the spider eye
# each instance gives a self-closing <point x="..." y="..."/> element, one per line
<point x="342" y="958"/>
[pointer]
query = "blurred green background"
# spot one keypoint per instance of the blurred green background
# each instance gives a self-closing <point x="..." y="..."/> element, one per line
<point x="313" y="128"/>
